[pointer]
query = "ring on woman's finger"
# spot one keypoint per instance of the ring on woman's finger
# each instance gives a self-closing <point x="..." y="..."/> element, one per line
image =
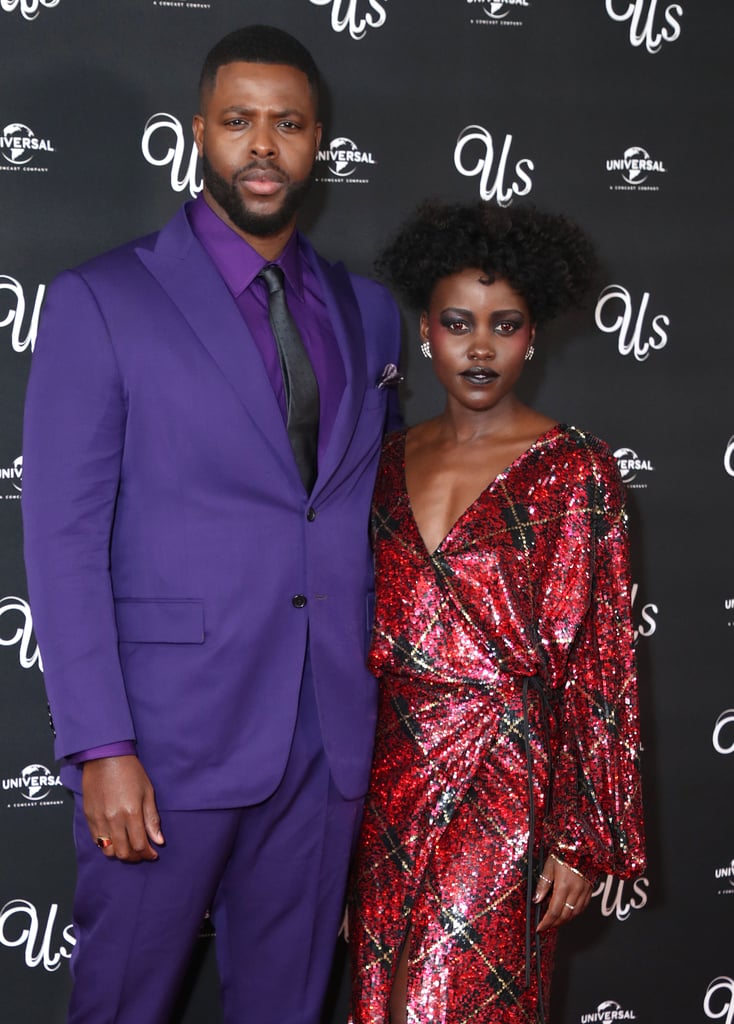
<point x="569" y="905"/>
<point x="548" y="880"/>
<point x="103" y="842"/>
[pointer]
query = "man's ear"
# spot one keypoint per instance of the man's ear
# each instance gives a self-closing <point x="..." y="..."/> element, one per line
<point x="197" y="127"/>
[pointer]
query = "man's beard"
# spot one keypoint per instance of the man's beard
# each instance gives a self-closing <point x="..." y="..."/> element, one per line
<point x="261" y="225"/>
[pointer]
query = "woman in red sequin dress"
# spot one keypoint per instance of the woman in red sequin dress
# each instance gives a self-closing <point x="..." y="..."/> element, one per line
<point x="505" y="779"/>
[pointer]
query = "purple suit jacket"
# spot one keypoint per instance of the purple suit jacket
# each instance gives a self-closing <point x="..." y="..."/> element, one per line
<point x="168" y="538"/>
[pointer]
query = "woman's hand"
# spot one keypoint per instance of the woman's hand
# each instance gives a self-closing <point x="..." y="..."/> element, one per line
<point x="569" y="893"/>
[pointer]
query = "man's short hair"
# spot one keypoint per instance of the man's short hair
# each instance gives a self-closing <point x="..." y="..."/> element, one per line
<point x="259" y="44"/>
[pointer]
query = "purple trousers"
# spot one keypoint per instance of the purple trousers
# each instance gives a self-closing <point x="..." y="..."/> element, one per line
<point x="274" y="876"/>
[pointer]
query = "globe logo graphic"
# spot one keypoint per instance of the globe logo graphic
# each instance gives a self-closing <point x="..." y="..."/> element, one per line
<point x="624" y="456"/>
<point x="635" y="176"/>
<point x="495" y="10"/>
<point x="17" y="154"/>
<point x="32" y="790"/>
<point x="342" y="168"/>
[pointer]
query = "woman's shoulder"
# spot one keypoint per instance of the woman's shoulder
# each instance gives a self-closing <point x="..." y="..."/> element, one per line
<point x="588" y="445"/>
<point x="593" y="459"/>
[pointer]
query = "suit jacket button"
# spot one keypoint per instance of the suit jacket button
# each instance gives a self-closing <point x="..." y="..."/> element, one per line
<point x="299" y="601"/>
<point x="311" y="515"/>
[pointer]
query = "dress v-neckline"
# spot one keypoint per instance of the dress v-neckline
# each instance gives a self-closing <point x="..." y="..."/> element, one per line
<point x="541" y="439"/>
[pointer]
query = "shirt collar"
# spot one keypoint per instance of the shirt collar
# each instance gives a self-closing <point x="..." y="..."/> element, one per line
<point x="235" y="259"/>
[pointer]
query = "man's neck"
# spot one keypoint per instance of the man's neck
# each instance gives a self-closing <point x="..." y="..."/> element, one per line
<point x="269" y="247"/>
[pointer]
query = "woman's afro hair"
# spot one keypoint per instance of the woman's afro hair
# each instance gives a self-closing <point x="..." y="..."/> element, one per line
<point x="546" y="258"/>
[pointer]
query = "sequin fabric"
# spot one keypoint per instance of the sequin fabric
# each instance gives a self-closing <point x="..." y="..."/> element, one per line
<point x="532" y="582"/>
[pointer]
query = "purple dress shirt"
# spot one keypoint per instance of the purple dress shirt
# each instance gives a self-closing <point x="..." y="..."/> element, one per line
<point x="239" y="264"/>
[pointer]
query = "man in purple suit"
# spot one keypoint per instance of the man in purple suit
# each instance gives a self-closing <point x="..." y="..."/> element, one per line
<point x="203" y="422"/>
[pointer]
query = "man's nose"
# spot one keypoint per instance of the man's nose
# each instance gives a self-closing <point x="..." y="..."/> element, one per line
<point x="263" y="141"/>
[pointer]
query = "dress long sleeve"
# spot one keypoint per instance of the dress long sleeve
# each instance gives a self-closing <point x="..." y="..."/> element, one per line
<point x="595" y="824"/>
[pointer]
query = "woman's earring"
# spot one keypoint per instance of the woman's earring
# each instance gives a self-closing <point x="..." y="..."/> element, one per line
<point x="530" y="353"/>
<point x="426" y="350"/>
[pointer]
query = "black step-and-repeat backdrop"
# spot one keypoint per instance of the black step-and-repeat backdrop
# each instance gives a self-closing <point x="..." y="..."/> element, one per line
<point x="617" y="112"/>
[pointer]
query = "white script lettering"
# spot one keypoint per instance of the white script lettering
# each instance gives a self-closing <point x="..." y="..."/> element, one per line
<point x="616" y="293"/>
<point x="182" y="174"/>
<point x="36" y="954"/>
<point x="724" y="721"/>
<point x="29" y="654"/>
<point x="520" y="186"/>
<point x="28" y="8"/>
<point x="642" y="22"/>
<point x="724" y="1008"/>
<point x="614" y="898"/>
<point x="17" y="311"/>
<point x="345" y="14"/>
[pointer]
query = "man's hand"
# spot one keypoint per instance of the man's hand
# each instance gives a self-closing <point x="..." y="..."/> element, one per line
<point x="119" y="804"/>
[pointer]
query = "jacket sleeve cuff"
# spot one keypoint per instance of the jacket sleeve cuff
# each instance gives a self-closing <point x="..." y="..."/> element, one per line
<point x="119" y="749"/>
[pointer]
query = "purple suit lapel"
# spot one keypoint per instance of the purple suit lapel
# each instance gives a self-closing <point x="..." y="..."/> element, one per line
<point x="187" y="275"/>
<point x="347" y="323"/>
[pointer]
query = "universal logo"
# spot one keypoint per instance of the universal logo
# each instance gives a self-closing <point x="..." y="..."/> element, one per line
<point x="718" y="1003"/>
<point x="11" y="481"/>
<point x="168" y="132"/>
<point x="616" y="299"/>
<point x="498" y="181"/>
<point x="728" y="455"/>
<point x="20" y="926"/>
<point x="13" y="631"/>
<point x="723" y="734"/>
<point x="725" y="877"/>
<point x="15" y="316"/>
<point x="647" y="26"/>
<point x="343" y="158"/>
<point x="20" y="148"/>
<point x="606" y="1013"/>
<point x="506" y="13"/>
<point x="34" y="784"/>
<point x="28" y="8"/>
<point x="355" y="15"/>
<point x="636" y="166"/>
<point x="631" y="465"/>
<point x="615" y="899"/>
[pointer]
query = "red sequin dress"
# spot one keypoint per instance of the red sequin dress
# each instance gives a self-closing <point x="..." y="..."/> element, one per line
<point x="507" y="728"/>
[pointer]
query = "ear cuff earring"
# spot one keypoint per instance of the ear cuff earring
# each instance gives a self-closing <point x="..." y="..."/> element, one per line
<point x="530" y="353"/>
<point x="426" y="350"/>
